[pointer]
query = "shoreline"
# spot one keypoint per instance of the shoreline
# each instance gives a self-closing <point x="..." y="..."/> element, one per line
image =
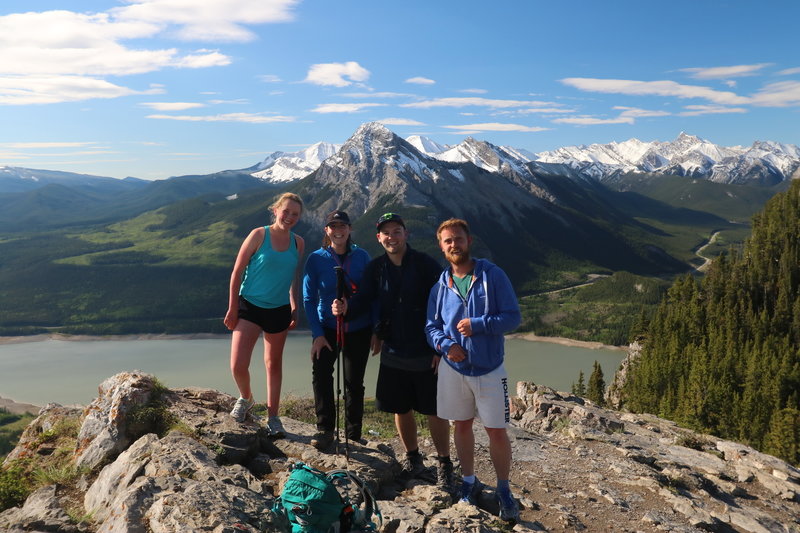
<point x="592" y="345"/>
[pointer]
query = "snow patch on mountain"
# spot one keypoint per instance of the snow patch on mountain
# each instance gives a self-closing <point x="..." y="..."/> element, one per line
<point x="764" y="162"/>
<point x="283" y="167"/>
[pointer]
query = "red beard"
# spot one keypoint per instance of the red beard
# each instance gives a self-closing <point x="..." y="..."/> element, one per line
<point x="458" y="258"/>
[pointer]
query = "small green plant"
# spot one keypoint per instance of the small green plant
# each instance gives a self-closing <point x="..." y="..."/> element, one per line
<point x="152" y="416"/>
<point x="561" y="425"/>
<point x="14" y="487"/>
<point x="689" y="440"/>
<point x="63" y="474"/>
<point x="78" y="516"/>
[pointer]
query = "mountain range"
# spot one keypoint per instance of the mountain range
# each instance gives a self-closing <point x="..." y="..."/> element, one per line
<point x="763" y="163"/>
<point x="104" y="246"/>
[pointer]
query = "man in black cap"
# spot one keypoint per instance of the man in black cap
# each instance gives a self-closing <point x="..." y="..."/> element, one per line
<point x="398" y="284"/>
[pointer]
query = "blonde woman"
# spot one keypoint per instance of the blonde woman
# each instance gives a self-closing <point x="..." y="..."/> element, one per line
<point x="264" y="299"/>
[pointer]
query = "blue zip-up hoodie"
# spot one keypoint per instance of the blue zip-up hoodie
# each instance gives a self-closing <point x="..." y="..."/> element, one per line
<point x="493" y="310"/>
<point x="319" y="287"/>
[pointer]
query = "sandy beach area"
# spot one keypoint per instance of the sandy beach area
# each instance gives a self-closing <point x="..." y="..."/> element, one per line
<point x="194" y="336"/>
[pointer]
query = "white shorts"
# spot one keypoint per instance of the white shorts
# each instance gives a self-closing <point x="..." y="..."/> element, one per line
<point x="461" y="397"/>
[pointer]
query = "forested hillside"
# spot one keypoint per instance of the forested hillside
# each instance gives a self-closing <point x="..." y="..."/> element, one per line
<point x="723" y="355"/>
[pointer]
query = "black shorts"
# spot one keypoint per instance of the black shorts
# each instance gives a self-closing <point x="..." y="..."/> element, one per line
<point x="399" y="391"/>
<point x="270" y="320"/>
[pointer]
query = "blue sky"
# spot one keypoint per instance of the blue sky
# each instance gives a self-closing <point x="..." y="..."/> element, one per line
<point x="157" y="88"/>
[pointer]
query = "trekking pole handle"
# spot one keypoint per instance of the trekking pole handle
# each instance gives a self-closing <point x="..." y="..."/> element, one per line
<point x="339" y="282"/>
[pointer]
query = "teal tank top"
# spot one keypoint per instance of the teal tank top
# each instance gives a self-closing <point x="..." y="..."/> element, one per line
<point x="269" y="274"/>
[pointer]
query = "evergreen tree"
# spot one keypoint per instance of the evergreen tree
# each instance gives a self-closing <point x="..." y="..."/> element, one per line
<point x="721" y="355"/>
<point x="597" y="385"/>
<point x="580" y="388"/>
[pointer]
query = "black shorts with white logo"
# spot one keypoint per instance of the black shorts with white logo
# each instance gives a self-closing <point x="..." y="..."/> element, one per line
<point x="270" y="320"/>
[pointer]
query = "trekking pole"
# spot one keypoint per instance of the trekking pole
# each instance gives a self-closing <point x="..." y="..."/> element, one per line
<point x="340" y="284"/>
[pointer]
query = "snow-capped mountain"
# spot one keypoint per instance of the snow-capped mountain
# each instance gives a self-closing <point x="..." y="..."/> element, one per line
<point x="764" y="163"/>
<point x="283" y="167"/>
<point x="425" y="145"/>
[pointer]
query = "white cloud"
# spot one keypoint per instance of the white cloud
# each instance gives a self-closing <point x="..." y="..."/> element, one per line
<point x="400" y="122"/>
<point x="494" y="126"/>
<point x="238" y="101"/>
<point x="697" y="110"/>
<point x="636" y="112"/>
<point x="46" y="144"/>
<point x="474" y="101"/>
<point x="532" y="110"/>
<point x="62" y="42"/>
<point x="474" y="91"/>
<point x="591" y="121"/>
<point x="655" y="88"/>
<point x="25" y="90"/>
<point x="343" y="108"/>
<point x="270" y="78"/>
<point x="789" y="71"/>
<point x="219" y="20"/>
<point x="779" y="94"/>
<point x="335" y="73"/>
<point x="69" y="44"/>
<point x="171" y="106"/>
<point x="735" y="71"/>
<point x="628" y="115"/>
<point x="419" y="80"/>
<point x="377" y="95"/>
<point x="253" y="118"/>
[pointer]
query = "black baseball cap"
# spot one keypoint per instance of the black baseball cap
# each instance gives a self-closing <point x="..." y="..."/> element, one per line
<point x="389" y="217"/>
<point x="338" y="216"/>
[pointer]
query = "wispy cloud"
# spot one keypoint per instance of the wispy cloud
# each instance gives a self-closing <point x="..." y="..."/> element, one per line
<point x="715" y="73"/>
<point x="378" y="94"/>
<point x="45" y="144"/>
<point x="419" y="80"/>
<point x="26" y="90"/>
<point x="270" y="78"/>
<point x="628" y="115"/>
<point x="779" y="94"/>
<point x="466" y="101"/>
<point x="400" y="122"/>
<point x="493" y="126"/>
<point x="591" y="121"/>
<point x="697" y="110"/>
<point x="343" y="108"/>
<point x="253" y="118"/>
<point x="789" y="71"/>
<point x="655" y="88"/>
<point x="171" y="106"/>
<point x="337" y="74"/>
<point x="474" y="91"/>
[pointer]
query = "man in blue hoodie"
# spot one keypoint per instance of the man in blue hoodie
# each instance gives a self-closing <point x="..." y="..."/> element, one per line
<point x="469" y="310"/>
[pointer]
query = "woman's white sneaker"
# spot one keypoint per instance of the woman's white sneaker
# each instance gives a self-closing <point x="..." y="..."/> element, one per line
<point x="241" y="408"/>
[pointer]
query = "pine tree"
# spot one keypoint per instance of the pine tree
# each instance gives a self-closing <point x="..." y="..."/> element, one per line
<point x="580" y="388"/>
<point x="721" y="355"/>
<point x="597" y="385"/>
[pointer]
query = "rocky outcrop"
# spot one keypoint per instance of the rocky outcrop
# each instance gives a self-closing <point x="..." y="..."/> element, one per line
<point x="577" y="467"/>
<point x="613" y="395"/>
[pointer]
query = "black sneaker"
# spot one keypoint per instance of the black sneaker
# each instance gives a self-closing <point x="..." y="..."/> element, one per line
<point x="444" y="474"/>
<point x="322" y="439"/>
<point x="509" y="510"/>
<point x="412" y="466"/>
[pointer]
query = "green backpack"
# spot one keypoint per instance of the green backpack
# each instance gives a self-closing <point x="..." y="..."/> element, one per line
<point x="313" y="503"/>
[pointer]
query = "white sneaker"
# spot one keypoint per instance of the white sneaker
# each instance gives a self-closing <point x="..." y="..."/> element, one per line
<point x="241" y="408"/>
<point x="275" y="428"/>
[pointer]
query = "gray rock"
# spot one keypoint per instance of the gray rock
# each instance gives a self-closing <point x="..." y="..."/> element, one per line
<point x="42" y="511"/>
